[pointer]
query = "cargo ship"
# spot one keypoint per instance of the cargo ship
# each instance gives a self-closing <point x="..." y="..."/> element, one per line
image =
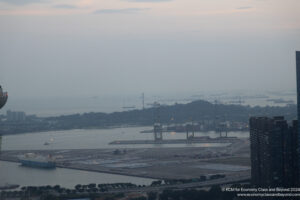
<point x="9" y="186"/>
<point x="33" y="160"/>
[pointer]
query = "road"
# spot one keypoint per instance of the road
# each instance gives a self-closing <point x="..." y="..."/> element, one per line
<point x="221" y="181"/>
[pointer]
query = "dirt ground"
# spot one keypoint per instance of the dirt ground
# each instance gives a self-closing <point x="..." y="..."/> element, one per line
<point x="157" y="163"/>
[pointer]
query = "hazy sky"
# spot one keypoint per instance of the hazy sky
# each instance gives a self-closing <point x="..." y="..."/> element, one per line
<point x="100" y="47"/>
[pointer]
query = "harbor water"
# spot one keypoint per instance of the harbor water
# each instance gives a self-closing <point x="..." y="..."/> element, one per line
<point x="98" y="139"/>
<point x="13" y="173"/>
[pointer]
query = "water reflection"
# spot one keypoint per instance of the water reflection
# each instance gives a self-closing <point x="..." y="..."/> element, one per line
<point x="26" y="176"/>
<point x="94" y="138"/>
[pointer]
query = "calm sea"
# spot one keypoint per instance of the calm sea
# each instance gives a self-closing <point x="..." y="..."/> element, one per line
<point x="12" y="173"/>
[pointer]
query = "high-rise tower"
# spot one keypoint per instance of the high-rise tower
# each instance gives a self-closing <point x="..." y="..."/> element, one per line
<point x="298" y="105"/>
<point x="275" y="148"/>
<point x="273" y="152"/>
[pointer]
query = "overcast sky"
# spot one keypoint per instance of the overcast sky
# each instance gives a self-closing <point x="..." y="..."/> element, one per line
<point x="106" y="47"/>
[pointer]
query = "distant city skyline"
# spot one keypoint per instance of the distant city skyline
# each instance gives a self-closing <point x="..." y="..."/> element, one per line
<point x="118" y="47"/>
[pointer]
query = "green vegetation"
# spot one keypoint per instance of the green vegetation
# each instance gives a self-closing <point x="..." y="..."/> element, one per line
<point x="178" y="113"/>
<point x="93" y="192"/>
<point x="199" y="111"/>
<point x="214" y="193"/>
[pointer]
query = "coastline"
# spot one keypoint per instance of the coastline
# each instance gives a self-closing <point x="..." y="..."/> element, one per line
<point x="150" y="163"/>
<point x="86" y="169"/>
<point x="74" y="129"/>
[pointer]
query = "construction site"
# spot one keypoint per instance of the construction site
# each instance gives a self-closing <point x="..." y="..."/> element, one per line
<point x="224" y="155"/>
<point x="156" y="163"/>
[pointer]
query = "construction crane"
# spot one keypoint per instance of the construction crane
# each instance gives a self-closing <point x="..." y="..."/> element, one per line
<point x="143" y="100"/>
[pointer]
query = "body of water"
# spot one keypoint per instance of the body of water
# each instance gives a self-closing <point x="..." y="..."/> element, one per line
<point x="97" y="139"/>
<point x="13" y="173"/>
<point x="54" y="106"/>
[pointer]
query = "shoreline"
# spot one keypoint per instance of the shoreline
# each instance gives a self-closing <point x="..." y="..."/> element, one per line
<point x="86" y="170"/>
<point x="154" y="160"/>
<point x="108" y="128"/>
<point x="61" y="130"/>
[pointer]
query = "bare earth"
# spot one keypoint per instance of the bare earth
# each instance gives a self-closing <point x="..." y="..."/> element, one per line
<point x="157" y="163"/>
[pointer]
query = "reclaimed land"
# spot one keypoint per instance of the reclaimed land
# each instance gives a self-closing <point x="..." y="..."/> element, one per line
<point x="155" y="163"/>
<point x="178" y="141"/>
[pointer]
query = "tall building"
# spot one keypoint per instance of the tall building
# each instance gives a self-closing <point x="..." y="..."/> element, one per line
<point x="15" y="116"/>
<point x="273" y="152"/>
<point x="275" y="155"/>
<point x="298" y="102"/>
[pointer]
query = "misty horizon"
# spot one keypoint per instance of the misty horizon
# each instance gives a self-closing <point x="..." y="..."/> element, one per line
<point x="87" y="48"/>
<point x="65" y="105"/>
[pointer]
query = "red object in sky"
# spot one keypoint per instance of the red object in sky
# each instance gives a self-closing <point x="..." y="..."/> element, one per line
<point x="3" y="97"/>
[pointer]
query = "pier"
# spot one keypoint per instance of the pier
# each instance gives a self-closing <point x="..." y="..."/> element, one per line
<point x="179" y="141"/>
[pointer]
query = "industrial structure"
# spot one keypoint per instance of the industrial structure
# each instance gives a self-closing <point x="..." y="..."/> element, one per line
<point x="222" y="128"/>
<point x="158" y="136"/>
<point x="143" y="101"/>
<point x="157" y="128"/>
<point x="190" y="128"/>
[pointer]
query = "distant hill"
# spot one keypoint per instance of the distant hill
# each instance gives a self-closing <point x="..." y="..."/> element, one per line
<point x="177" y="113"/>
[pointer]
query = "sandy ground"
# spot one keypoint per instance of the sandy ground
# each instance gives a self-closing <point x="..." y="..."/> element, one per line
<point x="157" y="163"/>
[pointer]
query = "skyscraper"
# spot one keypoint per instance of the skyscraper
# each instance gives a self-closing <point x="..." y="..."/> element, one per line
<point x="298" y="104"/>
<point x="273" y="152"/>
<point x="275" y="155"/>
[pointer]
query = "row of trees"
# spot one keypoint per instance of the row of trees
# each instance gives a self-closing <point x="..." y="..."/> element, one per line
<point x="215" y="193"/>
<point x="174" y="114"/>
<point x="177" y="113"/>
<point x="191" y="180"/>
<point x="94" y="188"/>
<point x="105" y="187"/>
<point x="58" y="193"/>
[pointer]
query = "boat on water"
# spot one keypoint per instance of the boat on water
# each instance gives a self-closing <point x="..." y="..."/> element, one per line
<point x="48" y="143"/>
<point x="34" y="160"/>
<point x="9" y="186"/>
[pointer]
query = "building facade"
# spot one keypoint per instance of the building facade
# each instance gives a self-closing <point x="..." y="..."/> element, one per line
<point x="298" y="102"/>
<point x="275" y="149"/>
<point x="273" y="152"/>
<point x="15" y="116"/>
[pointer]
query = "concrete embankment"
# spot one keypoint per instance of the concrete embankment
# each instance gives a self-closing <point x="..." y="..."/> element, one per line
<point x="178" y="141"/>
<point x="85" y="168"/>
